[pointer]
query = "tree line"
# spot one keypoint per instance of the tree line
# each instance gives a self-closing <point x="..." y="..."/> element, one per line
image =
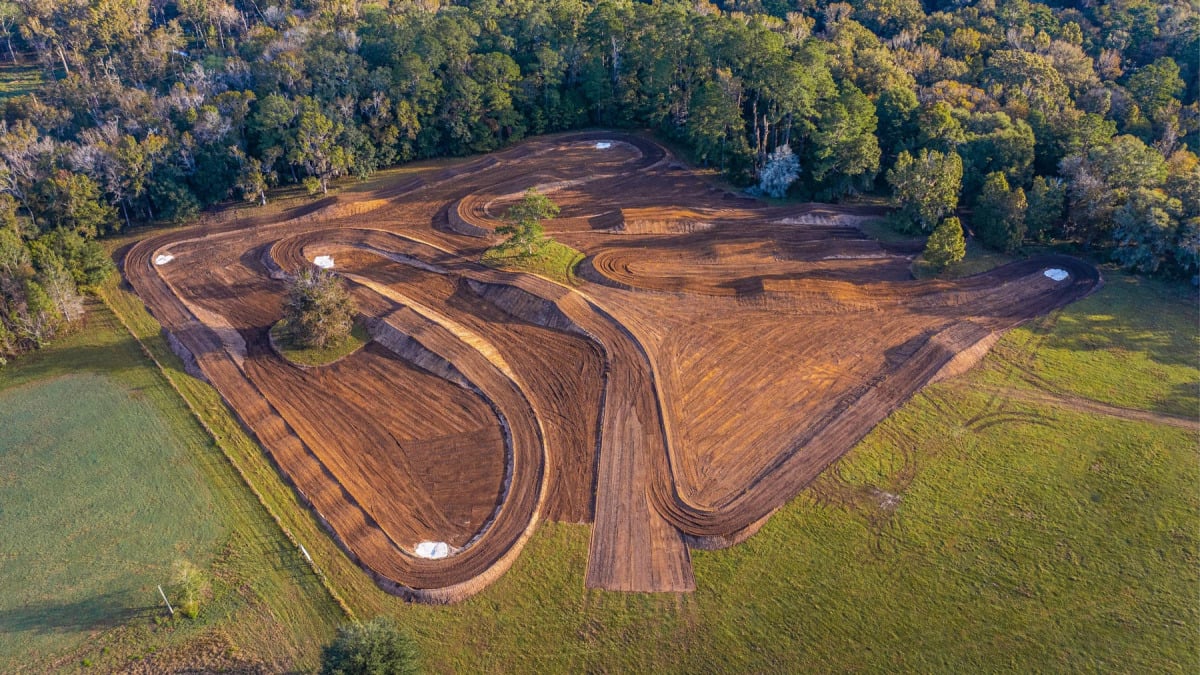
<point x="1055" y="120"/>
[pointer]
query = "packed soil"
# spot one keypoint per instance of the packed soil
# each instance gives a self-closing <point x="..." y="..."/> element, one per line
<point x="716" y="355"/>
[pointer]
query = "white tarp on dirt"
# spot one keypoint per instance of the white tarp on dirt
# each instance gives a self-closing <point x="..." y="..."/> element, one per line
<point x="433" y="550"/>
<point x="163" y="259"/>
<point x="1056" y="274"/>
<point x="325" y="262"/>
<point x="604" y="145"/>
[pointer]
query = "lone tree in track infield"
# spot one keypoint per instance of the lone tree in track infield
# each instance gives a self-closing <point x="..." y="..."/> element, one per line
<point x="318" y="311"/>
<point x="523" y="221"/>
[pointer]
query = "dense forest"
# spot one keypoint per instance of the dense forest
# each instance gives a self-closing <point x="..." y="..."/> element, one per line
<point x="1065" y="120"/>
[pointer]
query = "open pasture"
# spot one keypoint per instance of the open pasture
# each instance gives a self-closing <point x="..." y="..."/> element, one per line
<point x="712" y="358"/>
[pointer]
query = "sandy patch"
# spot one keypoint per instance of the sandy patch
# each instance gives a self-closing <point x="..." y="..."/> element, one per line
<point x="1056" y="274"/>
<point x="163" y="258"/>
<point x="434" y="550"/>
<point x="325" y="262"/>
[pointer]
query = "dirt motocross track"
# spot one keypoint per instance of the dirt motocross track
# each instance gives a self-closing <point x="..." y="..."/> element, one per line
<point x="715" y="357"/>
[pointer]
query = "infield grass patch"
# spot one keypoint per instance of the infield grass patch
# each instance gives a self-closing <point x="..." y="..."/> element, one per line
<point x="317" y="356"/>
<point x="553" y="260"/>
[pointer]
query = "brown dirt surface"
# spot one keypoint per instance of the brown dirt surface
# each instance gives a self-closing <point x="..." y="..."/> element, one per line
<point x="716" y="357"/>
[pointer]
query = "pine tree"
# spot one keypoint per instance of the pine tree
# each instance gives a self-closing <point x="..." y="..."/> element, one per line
<point x="1000" y="214"/>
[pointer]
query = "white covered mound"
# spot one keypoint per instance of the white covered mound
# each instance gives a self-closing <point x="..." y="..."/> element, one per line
<point x="325" y="262"/>
<point x="1056" y="274"/>
<point x="163" y="258"/>
<point x="433" y="550"/>
<point x="604" y="145"/>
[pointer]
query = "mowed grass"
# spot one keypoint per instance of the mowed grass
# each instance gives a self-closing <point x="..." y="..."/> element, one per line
<point x="108" y="483"/>
<point x="1134" y="344"/>
<point x="553" y="260"/>
<point x="98" y="502"/>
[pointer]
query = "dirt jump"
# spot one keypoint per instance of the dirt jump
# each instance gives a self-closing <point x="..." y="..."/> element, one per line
<point x="715" y="356"/>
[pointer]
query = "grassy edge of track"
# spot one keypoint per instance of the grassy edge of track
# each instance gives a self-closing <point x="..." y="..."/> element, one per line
<point x="294" y="521"/>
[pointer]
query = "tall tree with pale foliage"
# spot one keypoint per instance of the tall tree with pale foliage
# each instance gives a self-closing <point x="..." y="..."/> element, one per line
<point x="782" y="169"/>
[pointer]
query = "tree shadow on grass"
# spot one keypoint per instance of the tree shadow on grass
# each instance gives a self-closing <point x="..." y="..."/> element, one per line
<point x="99" y="612"/>
<point x="1130" y="317"/>
<point x="1182" y="401"/>
<point x="104" y="359"/>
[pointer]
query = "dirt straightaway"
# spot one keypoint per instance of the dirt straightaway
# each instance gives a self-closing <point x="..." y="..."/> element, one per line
<point x="717" y="355"/>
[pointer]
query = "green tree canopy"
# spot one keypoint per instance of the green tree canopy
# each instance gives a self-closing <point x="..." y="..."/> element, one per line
<point x="925" y="188"/>
<point x="376" y="647"/>
<point x="71" y="201"/>
<point x="946" y="245"/>
<point x="1000" y="214"/>
<point x="1046" y="203"/>
<point x="1146" y="230"/>
<point x="523" y="221"/>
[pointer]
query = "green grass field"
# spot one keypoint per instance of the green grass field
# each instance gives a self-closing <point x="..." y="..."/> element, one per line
<point x="109" y="485"/>
<point x="1135" y="344"/>
<point x="98" y="502"/>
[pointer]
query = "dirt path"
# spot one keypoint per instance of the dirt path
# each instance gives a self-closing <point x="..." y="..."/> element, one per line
<point x="1085" y="405"/>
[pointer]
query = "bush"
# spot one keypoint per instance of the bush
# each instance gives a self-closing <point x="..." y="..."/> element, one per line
<point x="946" y="245"/>
<point x="190" y="586"/>
<point x="372" y="648"/>
<point x="312" y="185"/>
